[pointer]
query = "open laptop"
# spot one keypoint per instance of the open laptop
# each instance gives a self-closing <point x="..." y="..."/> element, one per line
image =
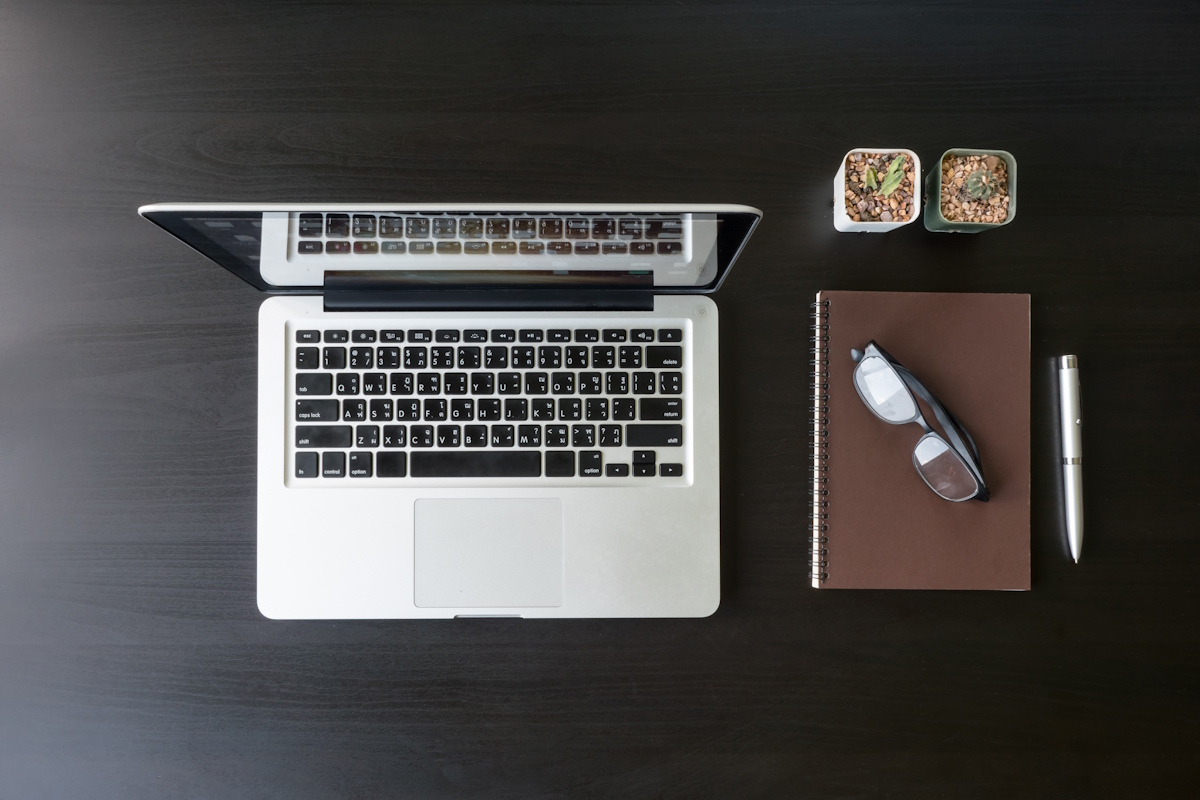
<point x="483" y="410"/>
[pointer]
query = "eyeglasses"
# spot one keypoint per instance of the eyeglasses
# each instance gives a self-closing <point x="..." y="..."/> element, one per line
<point x="947" y="466"/>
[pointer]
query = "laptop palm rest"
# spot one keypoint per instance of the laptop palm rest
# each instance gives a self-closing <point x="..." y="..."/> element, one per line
<point x="488" y="553"/>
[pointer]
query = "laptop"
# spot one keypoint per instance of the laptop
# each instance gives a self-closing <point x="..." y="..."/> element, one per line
<point x="483" y="410"/>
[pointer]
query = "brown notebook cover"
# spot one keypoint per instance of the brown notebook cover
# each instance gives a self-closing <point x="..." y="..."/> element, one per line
<point x="879" y="525"/>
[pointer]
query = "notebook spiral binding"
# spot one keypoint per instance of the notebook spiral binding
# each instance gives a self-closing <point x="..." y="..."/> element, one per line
<point x="818" y="563"/>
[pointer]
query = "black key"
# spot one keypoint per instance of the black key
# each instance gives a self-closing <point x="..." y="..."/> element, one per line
<point x="497" y="228"/>
<point x="445" y="227"/>
<point x="604" y="357"/>
<point x="448" y="436"/>
<point x="597" y="409"/>
<point x="670" y="382"/>
<point x="524" y="228"/>
<point x="495" y="357"/>
<point x="468" y="357"/>
<point x="455" y="383"/>
<point x="604" y="228"/>
<point x="391" y="336"/>
<point x="616" y="383"/>
<point x="414" y="357"/>
<point x="502" y="436"/>
<point x="577" y="228"/>
<point x="643" y="383"/>
<point x="570" y="408"/>
<point x="475" y="436"/>
<point x="644" y="456"/>
<point x="610" y="435"/>
<point x="362" y="337"/>
<point x="381" y="410"/>
<point x="447" y="336"/>
<point x="614" y="335"/>
<point x="306" y="464"/>
<point x="654" y="435"/>
<point x="516" y="409"/>
<point x="558" y="335"/>
<point x="391" y="228"/>
<point x="347" y="383"/>
<point x="614" y="248"/>
<point x="630" y="357"/>
<point x="308" y="337"/>
<point x="550" y="228"/>
<point x="669" y="248"/>
<point x="670" y="470"/>
<point x="560" y="465"/>
<point x="311" y="225"/>
<point x="560" y="248"/>
<point x="366" y="248"/>
<point x="587" y="248"/>
<point x="394" y="435"/>
<point x="366" y="436"/>
<point x="562" y="383"/>
<point x="354" y="410"/>
<point x="420" y="336"/>
<point x="540" y="409"/>
<point x="316" y="410"/>
<point x="641" y="248"/>
<point x="504" y="248"/>
<point x="417" y="228"/>
<point x="556" y="436"/>
<point x="337" y="225"/>
<point x="337" y="247"/>
<point x="401" y="382"/>
<point x="522" y="358"/>
<point x="429" y="383"/>
<point x="441" y="358"/>
<point x="589" y="464"/>
<point x="360" y="357"/>
<point x="576" y="358"/>
<point x="321" y="436"/>
<point x="364" y="226"/>
<point x="333" y="465"/>
<point x="616" y="470"/>
<point x="631" y="229"/>
<point x="643" y="470"/>
<point x="623" y="409"/>
<point x="470" y="228"/>
<point x="374" y="383"/>
<point x="549" y="357"/>
<point x="309" y="248"/>
<point x="531" y="336"/>
<point x="662" y="408"/>
<point x="475" y="336"/>
<point x="392" y="465"/>
<point x="308" y="358"/>
<point x="589" y="383"/>
<point x="527" y="464"/>
<point x="583" y="436"/>
<point x="435" y="410"/>
<point x="641" y="335"/>
<point x="670" y="335"/>
<point x="408" y="410"/>
<point x="509" y="383"/>
<point x="387" y="357"/>
<point x="420" y="435"/>
<point x="664" y="357"/>
<point x="587" y="335"/>
<point x="335" y="358"/>
<point x="488" y="409"/>
<point x="504" y="336"/>
<point x="535" y="383"/>
<point x="483" y="383"/>
<point x="529" y="436"/>
<point x="664" y="228"/>
<point x="394" y="248"/>
<point x="462" y="410"/>
<point x="475" y="248"/>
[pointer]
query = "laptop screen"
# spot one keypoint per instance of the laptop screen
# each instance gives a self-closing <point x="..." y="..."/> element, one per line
<point x="292" y="247"/>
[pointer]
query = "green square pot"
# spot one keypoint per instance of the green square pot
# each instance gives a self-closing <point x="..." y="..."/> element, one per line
<point x="934" y="220"/>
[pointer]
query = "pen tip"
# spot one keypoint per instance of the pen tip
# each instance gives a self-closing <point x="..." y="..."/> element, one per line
<point x="1076" y="559"/>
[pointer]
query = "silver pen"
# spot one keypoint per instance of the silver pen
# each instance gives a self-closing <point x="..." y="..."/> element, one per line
<point x="1072" y="450"/>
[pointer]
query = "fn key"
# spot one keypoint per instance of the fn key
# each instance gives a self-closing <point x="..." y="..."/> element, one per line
<point x="307" y="465"/>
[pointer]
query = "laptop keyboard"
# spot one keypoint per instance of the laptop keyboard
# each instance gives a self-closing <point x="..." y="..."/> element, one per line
<point x="384" y="403"/>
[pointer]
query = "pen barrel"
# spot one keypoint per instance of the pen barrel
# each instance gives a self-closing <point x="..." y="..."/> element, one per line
<point x="1068" y="392"/>
<point x="1073" y="503"/>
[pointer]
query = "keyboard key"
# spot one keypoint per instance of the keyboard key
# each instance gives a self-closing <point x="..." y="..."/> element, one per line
<point x="604" y="357"/>
<point x="409" y="410"/>
<point x="670" y="470"/>
<point x="643" y="383"/>
<point x="558" y="335"/>
<point x="449" y="248"/>
<point x="322" y="436"/>
<point x="614" y="335"/>
<point x="576" y="358"/>
<point x="462" y="410"/>
<point x="589" y="383"/>
<point x="549" y="357"/>
<point x="347" y="383"/>
<point x="366" y="248"/>
<point x="658" y="408"/>
<point x="570" y="408"/>
<point x="631" y="229"/>
<point x="475" y="335"/>
<point x="420" y="435"/>
<point x="497" y="228"/>
<point x="560" y="464"/>
<point x="311" y="226"/>
<point x="641" y="335"/>
<point x="504" y="248"/>
<point x="541" y="409"/>
<point x="441" y="358"/>
<point x="308" y="337"/>
<point x="616" y="470"/>
<point x="391" y="465"/>
<point x="630" y="357"/>
<point x="337" y="248"/>
<point x="516" y="409"/>
<point x="670" y="382"/>
<point x="488" y="409"/>
<point x="502" y="435"/>
<point x="556" y="436"/>
<point x="664" y="357"/>
<point x="364" y="226"/>
<point x="577" y="228"/>
<point x="354" y="410"/>
<point x="643" y="470"/>
<point x="531" y="336"/>
<point x="664" y="228"/>
<point x="337" y="226"/>
<point x="362" y="337"/>
<point x="366" y="436"/>
<point x="429" y="383"/>
<point x="483" y="383"/>
<point x="562" y="383"/>
<point x="669" y="248"/>
<point x="623" y="409"/>
<point x="333" y="465"/>
<point x="374" y="383"/>
<point x="475" y="436"/>
<point x="387" y="357"/>
<point x="391" y="336"/>
<point x="415" y="357"/>
<point x="604" y="228"/>
<point x="559" y="248"/>
<point x="306" y="464"/>
<point x="470" y="228"/>
<point x="447" y="336"/>
<point x="589" y="464"/>
<point x="597" y="408"/>
<point x="535" y="383"/>
<point x="455" y="383"/>
<point x="670" y="335"/>
<point x="527" y="464"/>
<point x="394" y="249"/>
<point x="616" y="383"/>
<point x="475" y="248"/>
<point x="391" y="227"/>
<point x="583" y="436"/>
<point x="316" y="410"/>
<point x="524" y="228"/>
<point x="509" y="383"/>
<point x="641" y="248"/>
<point x="335" y="358"/>
<point x="420" y="336"/>
<point x="308" y="358"/>
<point x="610" y="435"/>
<point x="417" y="228"/>
<point x="587" y="249"/>
<point x="644" y="456"/>
<point x="529" y="436"/>
<point x="394" y="435"/>
<point x="448" y="436"/>
<point x="495" y="357"/>
<point x="381" y="410"/>
<point x="445" y="227"/>
<point x="615" y="249"/>
<point x="550" y="228"/>
<point x="654" y="435"/>
<point x="309" y="248"/>
<point x="435" y="410"/>
<point x="522" y="357"/>
<point x="337" y="337"/>
<point x="420" y="248"/>
<point x="401" y="382"/>
<point x="360" y="357"/>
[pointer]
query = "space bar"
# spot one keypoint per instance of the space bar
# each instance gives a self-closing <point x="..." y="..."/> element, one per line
<point x="476" y="465"/>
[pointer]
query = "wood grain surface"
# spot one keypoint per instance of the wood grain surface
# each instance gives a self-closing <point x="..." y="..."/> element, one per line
<point x="133" y="660"/>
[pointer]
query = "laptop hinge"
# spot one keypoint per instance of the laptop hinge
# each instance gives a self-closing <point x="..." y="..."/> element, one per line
<point x="367" y="293"/>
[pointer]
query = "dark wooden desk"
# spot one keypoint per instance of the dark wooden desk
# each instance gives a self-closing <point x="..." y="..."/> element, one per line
<point x="133" y="661"/>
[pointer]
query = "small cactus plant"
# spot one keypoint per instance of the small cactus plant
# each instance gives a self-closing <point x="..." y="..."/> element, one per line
<point x="980" y="184"/>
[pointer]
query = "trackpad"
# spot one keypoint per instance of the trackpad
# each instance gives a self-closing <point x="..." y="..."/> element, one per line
<point x="488" y="553"/>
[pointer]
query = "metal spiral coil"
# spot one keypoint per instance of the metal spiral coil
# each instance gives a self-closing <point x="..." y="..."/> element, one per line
<point x="819" y="387"/>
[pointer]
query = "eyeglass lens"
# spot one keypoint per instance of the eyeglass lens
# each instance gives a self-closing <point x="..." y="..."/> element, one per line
<point x="943" y="469"/>
<point x="883" y="390"/>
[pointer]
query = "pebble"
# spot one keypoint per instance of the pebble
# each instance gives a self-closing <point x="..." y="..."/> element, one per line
<point x="958" y="206"/>
<point x="866" y="205"/>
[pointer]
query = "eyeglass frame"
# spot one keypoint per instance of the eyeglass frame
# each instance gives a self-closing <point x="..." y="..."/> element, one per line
<point x="950" y="423"/>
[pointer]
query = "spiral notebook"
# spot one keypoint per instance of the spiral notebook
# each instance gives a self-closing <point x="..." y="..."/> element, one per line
<point x="875" y="524"/>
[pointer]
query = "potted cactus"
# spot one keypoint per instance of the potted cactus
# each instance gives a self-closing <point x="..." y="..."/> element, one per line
<point x="971" y="191"/>
<point x="877" y="189"/>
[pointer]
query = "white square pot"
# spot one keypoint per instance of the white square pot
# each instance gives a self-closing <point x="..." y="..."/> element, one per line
<point x="842" y="220"/>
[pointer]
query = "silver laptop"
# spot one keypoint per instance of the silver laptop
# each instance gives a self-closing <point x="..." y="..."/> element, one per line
<point x="483" y="410"/>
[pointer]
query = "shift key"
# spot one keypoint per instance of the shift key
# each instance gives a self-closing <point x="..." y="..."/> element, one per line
<point x="324" y="436"/>
<point x="653" y="435"/>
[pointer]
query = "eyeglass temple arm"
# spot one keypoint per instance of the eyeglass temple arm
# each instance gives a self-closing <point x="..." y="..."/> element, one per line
<point x="948" y="421"/>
